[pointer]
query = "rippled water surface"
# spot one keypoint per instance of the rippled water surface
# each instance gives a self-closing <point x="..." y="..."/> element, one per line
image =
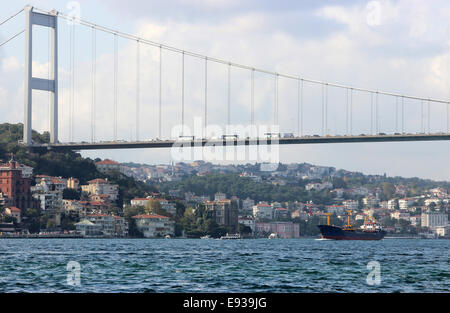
<point x="189" y="265"/>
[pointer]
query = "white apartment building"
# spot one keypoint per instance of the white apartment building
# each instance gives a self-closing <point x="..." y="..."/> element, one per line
<point x="405" y="203"/>
<point x="101" y="186"/>
<point x="219" y="196"/>
<point x="434" y="219"/>
<point x="350" y="205"/>
<point x="263" y="211"/>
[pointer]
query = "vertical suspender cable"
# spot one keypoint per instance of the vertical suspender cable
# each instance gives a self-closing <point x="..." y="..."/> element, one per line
<point x="376" y="114"/>
<point x="301" y="108"/>
<point x="371" y="113"/>
<point x="421" y="117"/>
<point x="326" y="109"/>
<point x="94" y="61"/>
<point x="447" y="118"/>
<point x="160" y="92"/>
<point x="69" y="94"/>
<point x="229" y="96"/>
<point x="298" y="107"/>
<point x="323" y="110"/>
<point x="276" y="99"/>
<point x="73" y="84"/>
<point x="138" y="81"/>
<point x="346" y="111"/>
<point x="48" y="79"/>
<point x="206" y="97"/>
<point x="403" y="115"/>
<point x="182" y="95"/>
<point x="252" y="98"/>
<point x="351" y="111"/>
<point x="116" y="61"/>
<point x="396" y="114"/>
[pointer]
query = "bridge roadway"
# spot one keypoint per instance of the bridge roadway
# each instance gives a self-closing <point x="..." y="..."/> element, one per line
<point x="237" y="142"/>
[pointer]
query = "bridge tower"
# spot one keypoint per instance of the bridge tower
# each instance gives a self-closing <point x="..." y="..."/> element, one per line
<point x="50" y="85"/>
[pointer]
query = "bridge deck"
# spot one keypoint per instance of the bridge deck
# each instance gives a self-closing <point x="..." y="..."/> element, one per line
<point x="238" y="142"/>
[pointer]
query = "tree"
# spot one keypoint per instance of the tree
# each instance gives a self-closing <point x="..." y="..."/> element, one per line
<point x="244" y="229"/>
<point x="133" y="231"/>
<point x="154" y="207"/>
<point x="388" y="190"/>
<point x="71" y="194"/>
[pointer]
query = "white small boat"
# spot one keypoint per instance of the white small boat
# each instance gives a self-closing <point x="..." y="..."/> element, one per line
<point x="273" y="236"/>
<point x="205" y="237"/>
<point x="167" y="237"/>
<point x="231" y="236"/>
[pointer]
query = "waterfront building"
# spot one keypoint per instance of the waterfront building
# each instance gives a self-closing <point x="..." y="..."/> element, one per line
<point x="247" y="221"/>
<point x="152" y="225"/>
<point x="169" y="207"/>
<point x="5" y="201"/>
<point x="15" y="213"/>
<point x="107" y="223"/>
<point x="88" y="228"/>
<point x="434" y="219"/>
<point x="224" y="212"/>
<point x="14" y="186"/>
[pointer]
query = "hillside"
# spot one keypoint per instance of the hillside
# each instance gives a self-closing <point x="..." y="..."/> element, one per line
<point x="65" y="164"/>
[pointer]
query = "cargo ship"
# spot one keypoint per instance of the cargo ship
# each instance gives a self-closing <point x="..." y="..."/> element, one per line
<point x="370" y="230"/>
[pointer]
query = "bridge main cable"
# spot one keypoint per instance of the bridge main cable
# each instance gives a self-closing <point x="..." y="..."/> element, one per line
<point x="237" y="65"/>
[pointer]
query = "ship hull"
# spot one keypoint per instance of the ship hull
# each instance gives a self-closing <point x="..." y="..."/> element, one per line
<point x="337" y="233"/>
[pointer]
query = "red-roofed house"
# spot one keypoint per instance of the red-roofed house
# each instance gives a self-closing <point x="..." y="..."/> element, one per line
<point x="263" y="211"/>
<point x="152" y="225"/>
<point x="281" y="213"/>
<point x="14" y="212"/>
<point x="15" y="186"/>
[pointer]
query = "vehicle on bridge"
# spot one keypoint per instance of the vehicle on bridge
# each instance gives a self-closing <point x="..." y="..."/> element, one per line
<point x="225" y="137"/>
<point x="186" y="138"/>
<point x="272" y="135"/>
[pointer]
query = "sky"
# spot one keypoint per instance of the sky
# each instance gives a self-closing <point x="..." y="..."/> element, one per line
<point x="396" y="46"/>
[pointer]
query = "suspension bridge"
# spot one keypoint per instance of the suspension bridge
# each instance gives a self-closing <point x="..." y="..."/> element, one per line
<point x="327" y="113"/>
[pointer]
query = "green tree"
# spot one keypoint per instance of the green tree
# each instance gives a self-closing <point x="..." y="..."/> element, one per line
<point x="71" y="194"/>
<point x="388" y="191"/>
